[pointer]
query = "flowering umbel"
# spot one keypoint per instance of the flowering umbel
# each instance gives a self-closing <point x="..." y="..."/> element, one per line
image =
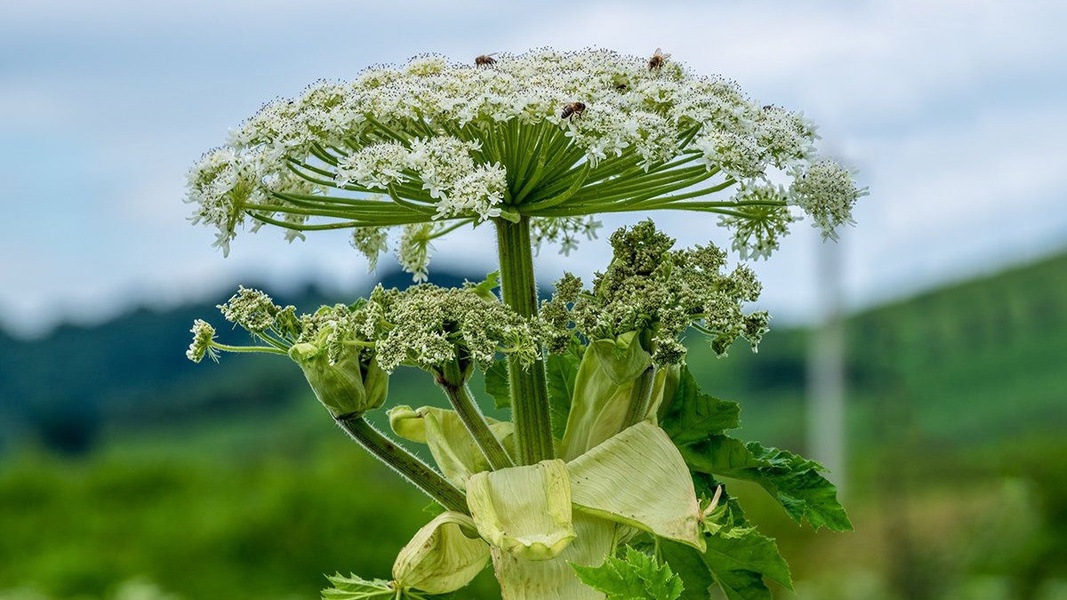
<point x="434" y="142"/>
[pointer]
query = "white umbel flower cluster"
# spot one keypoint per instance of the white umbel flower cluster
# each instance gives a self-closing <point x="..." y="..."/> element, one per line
<point x="545" y="135"/>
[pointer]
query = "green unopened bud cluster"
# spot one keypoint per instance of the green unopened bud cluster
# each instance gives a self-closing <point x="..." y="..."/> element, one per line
<point x="347" y="351"/>
<point x="658" y="292"/>
<point x="427" y="326"/>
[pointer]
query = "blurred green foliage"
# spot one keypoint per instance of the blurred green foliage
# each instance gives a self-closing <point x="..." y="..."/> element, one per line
<point x="129" y="473"/>
<point x="212" y="521"/>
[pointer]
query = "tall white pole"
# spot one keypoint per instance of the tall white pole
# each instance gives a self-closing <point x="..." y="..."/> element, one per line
<point x="826" y="369"/>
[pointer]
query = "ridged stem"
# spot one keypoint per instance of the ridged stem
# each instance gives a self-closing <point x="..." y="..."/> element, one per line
<point x="459" y="396"/>
<point x="529" y="388"/>
<point x="400" y="460"/>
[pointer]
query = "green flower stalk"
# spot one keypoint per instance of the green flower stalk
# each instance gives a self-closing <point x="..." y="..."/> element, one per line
<point x="538" y="145"/>
<point x="340" y="366"/>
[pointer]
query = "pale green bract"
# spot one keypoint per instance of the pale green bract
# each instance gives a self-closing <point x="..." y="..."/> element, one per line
<point x="344" y="387"/>
<point x="444" y="556"/>
<point x="605" y="381"/>
<point x="432" y="142"/>
<point x="452" y="446"/>
<point x="639" y="479"/>
<point x="525" y="511"/>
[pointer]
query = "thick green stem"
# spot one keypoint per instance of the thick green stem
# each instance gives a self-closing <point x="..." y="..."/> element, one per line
<point x="529" y="388"/>
<point x="452" y="382"/>
<point x="403" y="462"/>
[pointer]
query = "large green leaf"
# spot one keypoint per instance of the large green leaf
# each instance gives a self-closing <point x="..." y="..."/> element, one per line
<point x="795" y="482"/>
<point x="497" y="384"/>
<point x="692" y="415"/>
<point x="562" y="370"/>
<point x="688" y="563"/>
<point x="739" y="559"/>
<point x="636" y="577"/>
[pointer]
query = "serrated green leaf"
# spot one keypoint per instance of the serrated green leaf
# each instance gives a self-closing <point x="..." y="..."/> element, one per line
<point x="485" y="287"/>
<point x="636" y="577"/>
<point x="357" y="588"/>
<point x="795" y="482"/>
<point x="561" y="371"/>
<point x="497" y="384"/>
<point x="692" y="415"/>
<point x="739" y="559"/>
<point x="689" y="565"/>
<point x="798" y="485"/>
<point x="742" y="584"/>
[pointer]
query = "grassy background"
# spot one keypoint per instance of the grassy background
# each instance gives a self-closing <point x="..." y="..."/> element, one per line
<point x="127" y="472"/>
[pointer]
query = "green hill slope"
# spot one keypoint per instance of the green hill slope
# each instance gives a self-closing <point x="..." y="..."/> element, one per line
<point x="975" y="363"/>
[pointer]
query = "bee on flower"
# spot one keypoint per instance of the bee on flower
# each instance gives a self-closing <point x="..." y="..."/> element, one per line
<point x="658" y="59"/>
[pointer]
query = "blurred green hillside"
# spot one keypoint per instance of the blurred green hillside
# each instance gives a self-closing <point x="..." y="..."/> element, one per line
<point x="126" y="470"/>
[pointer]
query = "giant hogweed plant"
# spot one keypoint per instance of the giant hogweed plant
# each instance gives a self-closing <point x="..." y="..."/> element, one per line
<point x="609" y="479"/>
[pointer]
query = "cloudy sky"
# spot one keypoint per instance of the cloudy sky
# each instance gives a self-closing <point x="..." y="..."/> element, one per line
<point x="952" y="112"/>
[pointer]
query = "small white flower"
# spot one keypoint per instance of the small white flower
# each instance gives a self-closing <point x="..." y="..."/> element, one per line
<point x="738" y="154"/>
<point x="375" y="166"/>
<point x="413" y="252"/>
<point x="826" y="191"/>
<point x="203" y="342"/>
<point x="371" y="242"/>
<point x="758" y="221"/>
